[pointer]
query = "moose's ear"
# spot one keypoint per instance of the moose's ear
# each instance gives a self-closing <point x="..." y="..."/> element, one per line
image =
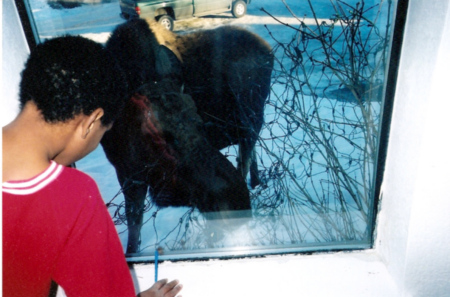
<point x="167" y="64"/>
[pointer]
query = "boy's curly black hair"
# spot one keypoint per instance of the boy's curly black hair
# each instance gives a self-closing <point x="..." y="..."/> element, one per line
<point x="69" y="75"/>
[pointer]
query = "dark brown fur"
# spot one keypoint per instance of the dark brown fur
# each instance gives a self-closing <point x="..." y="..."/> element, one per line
<point x="168" y="142"/>
<point x="227" y="72"/>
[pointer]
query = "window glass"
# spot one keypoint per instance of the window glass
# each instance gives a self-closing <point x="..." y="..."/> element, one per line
<point x="315" y="152"/>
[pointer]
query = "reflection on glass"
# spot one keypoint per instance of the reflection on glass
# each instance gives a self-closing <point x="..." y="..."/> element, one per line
<point x="317" y="149"/>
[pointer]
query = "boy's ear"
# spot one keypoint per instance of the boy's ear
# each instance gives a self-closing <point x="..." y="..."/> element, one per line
<point x="88" y="123"/>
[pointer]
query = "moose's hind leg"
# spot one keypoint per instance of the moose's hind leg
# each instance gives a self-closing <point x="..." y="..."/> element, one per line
<point x="254" y="174"/>
<point x="247" y="162"/>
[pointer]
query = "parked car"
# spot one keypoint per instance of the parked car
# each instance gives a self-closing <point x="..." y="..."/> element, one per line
<point x="62" y="4"/>
<point x="165" y="12"/>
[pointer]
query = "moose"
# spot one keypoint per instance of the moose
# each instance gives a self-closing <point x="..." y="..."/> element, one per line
<point x="190" y="96"/>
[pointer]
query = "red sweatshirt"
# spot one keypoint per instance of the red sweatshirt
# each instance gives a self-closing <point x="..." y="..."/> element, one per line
<point x="56" y="226"/>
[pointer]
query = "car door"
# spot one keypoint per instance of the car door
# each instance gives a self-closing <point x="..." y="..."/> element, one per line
<point x="203" y="7"/>
<point x="181" y="8"/>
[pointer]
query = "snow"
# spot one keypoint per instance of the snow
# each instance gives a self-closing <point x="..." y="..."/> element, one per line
<point x="293" y="223"/>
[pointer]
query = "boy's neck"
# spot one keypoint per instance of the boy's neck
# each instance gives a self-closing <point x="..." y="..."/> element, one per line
<point x="29" y="143"/>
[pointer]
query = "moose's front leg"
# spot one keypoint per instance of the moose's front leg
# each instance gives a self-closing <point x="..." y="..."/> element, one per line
<point x="135" y="193"/>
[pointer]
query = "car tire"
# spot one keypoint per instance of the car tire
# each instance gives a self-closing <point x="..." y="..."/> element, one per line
<point x="166" y="21"/>
<point x="61" y="4"/>
<point x="239" y="9"/>
<point x="124" y="16"/>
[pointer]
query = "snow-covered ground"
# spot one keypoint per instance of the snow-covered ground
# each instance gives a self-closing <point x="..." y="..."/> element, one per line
<point x="289" y="222"/>
<point x="96" y="21"/>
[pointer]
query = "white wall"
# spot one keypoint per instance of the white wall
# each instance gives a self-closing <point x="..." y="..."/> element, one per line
<point x="411" y="257"/>
<point x="14" y="53"/>
<point x="414" y="224"/>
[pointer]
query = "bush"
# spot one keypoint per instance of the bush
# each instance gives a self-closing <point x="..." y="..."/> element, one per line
<point x="323" y="122"/>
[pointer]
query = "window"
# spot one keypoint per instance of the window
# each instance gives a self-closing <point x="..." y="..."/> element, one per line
<point x="317" y="151"/>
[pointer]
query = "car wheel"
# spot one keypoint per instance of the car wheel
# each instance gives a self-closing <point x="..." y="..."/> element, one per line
<point x="239" y="9"/>
<point x="61" y="4"/>
<point x="125" y="16"/>
<point x="166" y="21"/>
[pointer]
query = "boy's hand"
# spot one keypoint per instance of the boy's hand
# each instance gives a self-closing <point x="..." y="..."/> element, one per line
<point x="163" y="288"/>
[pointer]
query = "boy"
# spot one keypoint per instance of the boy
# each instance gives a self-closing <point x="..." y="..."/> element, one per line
<point x="55" y="224"/>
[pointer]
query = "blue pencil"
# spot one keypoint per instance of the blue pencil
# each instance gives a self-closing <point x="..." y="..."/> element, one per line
<point x="156" y="265"/>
